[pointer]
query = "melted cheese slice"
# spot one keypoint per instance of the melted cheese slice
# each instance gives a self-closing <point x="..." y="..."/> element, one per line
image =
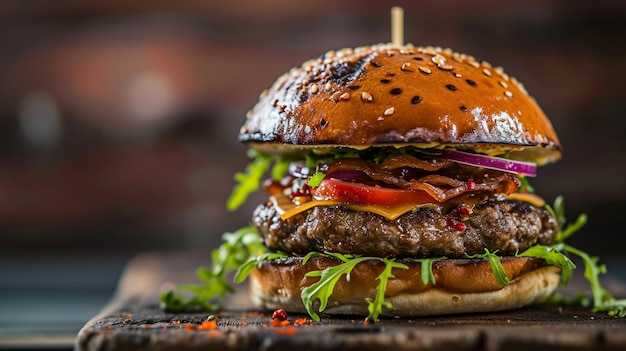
<point x="286" y="208"/>
<point x="527" y="197"/>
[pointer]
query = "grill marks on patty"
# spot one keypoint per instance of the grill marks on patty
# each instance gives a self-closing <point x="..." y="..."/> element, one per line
<point x="503" y="225"/>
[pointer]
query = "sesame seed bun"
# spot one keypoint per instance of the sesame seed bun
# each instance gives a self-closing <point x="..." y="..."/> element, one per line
<point x="462" y="286"/>
<point x="383" y="95"/>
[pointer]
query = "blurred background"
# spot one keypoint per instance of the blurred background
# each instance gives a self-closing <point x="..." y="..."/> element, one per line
<point x="119" y="122"/>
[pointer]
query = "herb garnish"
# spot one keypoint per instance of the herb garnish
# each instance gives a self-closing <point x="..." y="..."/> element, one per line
<point x="496" y="266"/>
<point x="236" y="249"/>
<point x="323" y="288"/>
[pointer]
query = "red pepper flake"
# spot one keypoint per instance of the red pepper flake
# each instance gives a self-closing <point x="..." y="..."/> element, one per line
<point x="470" y="184"/>
<point x="465" y="210"/>
<point x="279" y="323"/>
<point x="279" y="314"/>
<point x="244" y="323"/>
<point x="286" y="331"/>
<point x="209" y="325"/>
<point x="300" y="321"/>
<point x="454" y="224"/>
<point x="108" y="326"/>
<point x="189" y="327"/>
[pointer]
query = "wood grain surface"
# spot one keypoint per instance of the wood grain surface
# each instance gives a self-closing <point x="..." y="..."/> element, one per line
<point x="133" y="320"/>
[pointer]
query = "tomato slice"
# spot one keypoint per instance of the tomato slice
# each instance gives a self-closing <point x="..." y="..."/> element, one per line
<point x="357" y="193"/>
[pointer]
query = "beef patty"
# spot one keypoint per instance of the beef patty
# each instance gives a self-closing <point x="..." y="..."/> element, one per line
<point x="504" y="225"/>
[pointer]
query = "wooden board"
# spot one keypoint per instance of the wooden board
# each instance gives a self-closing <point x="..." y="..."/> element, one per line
<point x="134" y="321"/>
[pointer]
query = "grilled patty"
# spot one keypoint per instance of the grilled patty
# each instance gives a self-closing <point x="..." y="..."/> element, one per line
<point x="504" y="225"/>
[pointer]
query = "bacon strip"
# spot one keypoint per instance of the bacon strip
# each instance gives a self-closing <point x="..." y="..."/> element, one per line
<point x="395" y="162"/>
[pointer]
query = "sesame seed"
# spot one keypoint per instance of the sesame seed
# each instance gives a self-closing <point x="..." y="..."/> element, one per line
<point x="345" y="96"/>
<point x="353" y="87"/>
<point x="451" y="87"/>
<point x="406" y="67"/>
<point x="375" y="64"/>
<point x="323" y="123"/>
<point x="445" y="67"/>
<point x="389" y="111"/>
<point x="314" y="88"/>
<point x="282" y="108"/>
<point x="487" y="72"/>
<point x="439" y="60"/>
<point x="385" y="81"/>
<point x="473" y="64"/>
<point x="503" y="84"/>
<point x="391" y="74"/>
<point x="367" y="97"/>
<point x="418" y="58"/>
<point x="396" y="91"/>
<point x="328" y="86"/>
<point x="471" y="82"/>
<point x="508" y="93"/>
<point x="274" y="102"/>
<point x="458" y="75"/>
<point x="463" y="108"/>
<point x="416" y="99"/>
<point x="424" y="70"/>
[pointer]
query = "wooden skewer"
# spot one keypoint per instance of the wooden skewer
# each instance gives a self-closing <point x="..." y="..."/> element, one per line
<point x="397" y="26"/>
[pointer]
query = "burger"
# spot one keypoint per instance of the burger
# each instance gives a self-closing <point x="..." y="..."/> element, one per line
<point x="397" y="185"/>
<point x="402" y="153"/>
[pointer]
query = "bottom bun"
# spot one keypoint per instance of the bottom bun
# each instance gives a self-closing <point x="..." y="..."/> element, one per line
<point x="462" y="286"/>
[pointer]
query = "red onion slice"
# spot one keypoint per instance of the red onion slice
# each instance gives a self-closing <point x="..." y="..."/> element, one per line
<point x="497" y="163"/>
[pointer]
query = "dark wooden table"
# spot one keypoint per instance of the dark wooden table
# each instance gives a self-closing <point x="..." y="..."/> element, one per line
<point x="134" y="321"/>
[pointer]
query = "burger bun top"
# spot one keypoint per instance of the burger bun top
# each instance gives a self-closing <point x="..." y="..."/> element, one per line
<point x="384" y="95"/>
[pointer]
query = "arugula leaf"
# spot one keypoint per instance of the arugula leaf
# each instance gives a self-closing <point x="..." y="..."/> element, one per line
<point x="281" y="166"/>
<point x="525" y="185"/>
<point x="496" y="266"/>
<point x="249" y="181"/>
<point x="558" y="212"/>
<point x="571" y="228"/>
<point x="553" y="256"/>
<point x="602" y="299"/>
<point x="427" y="268"/>
<point x="316" y="179"/>
<point x="235" y="250"/>
<point x="375" y="306"/>
<point x="245" y="269"/>
<point x="323" y="289"/>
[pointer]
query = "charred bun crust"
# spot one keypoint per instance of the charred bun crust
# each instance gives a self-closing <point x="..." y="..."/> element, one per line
<point x="462" y="286"/>
<point x="384" y="95"/>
